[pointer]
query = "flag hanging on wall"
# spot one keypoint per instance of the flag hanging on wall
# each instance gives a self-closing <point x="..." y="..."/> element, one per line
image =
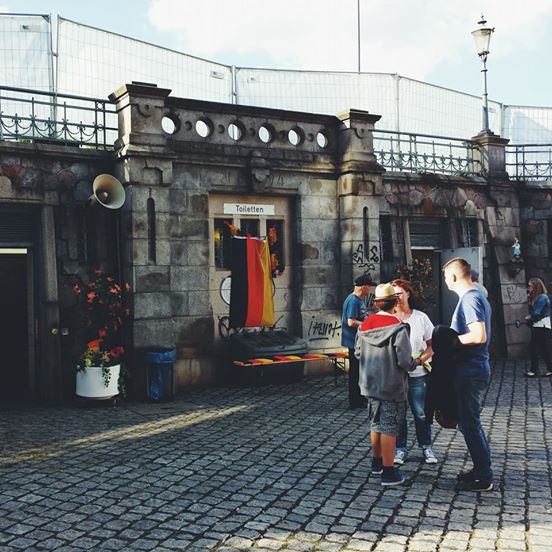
<point x="251" y="300"/>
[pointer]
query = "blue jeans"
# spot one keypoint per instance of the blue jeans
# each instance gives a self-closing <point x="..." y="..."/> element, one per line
<point x="469" y="397"/>
<point x="416" y="398"/>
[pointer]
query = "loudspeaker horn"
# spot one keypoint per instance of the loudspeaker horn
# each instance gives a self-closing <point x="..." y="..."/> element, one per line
<point x="108" y="192"/>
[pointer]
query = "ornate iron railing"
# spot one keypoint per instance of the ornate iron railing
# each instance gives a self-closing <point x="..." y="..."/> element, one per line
<point x="423" y="153"/>
<point x="529" y="161"/>
<point x="33" y="115"/>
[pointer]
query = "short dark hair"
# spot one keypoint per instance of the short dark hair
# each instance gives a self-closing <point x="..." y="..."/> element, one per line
<point x="463" y="266"/>
<point x="385" y="304"/>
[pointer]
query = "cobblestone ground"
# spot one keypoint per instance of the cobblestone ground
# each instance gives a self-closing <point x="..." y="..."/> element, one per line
<point x="287" y="469"/>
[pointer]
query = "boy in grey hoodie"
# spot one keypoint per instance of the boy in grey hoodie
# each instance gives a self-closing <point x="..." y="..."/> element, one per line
<point x="385" y="358"/>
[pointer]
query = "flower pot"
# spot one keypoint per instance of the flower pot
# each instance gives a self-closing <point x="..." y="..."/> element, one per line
<point x="90" y="382"/>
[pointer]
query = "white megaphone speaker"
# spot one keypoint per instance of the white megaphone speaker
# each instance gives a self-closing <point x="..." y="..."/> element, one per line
<point x="107" y="191"/>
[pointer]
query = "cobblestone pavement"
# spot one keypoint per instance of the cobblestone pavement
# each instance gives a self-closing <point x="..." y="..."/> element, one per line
<point x="286" y="469"/>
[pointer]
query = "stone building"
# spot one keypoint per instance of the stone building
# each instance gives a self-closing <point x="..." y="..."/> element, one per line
<point x="195" y="172"/>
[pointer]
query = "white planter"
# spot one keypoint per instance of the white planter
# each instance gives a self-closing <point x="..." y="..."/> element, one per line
<point x="90" y="382"/>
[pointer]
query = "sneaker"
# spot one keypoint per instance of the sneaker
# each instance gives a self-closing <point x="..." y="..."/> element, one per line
<point x="463" y="477"/>
<point x="400" y="456"/>
<point x="377" y="466"/>
<point x="530" y="374"/>
<point x="392" y="478"/>
<point x="476" y="485"/>
<point x="429" y="457"/>
<point x="548" y="374"/>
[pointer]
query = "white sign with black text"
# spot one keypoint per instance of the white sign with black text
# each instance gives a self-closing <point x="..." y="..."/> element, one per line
<point x="248" y="209"/>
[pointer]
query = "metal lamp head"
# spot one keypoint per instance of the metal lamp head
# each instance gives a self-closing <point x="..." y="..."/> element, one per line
<point x="482" y="37"/>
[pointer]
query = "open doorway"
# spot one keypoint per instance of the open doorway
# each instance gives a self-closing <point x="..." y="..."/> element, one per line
<point x="15" y="323"/>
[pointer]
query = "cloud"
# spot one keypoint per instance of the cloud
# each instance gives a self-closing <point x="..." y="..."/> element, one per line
<point x="409" y="37"/>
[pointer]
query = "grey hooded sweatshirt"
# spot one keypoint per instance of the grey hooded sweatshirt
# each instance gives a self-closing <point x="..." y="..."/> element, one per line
<point x="385" y="358"/>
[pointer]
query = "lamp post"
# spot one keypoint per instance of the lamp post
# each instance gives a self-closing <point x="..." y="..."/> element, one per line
<point x="482" y="38"/>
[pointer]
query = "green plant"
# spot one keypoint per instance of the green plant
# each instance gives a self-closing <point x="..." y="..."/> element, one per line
<point x="102" y="299"/>
<point x="420" y="275"/>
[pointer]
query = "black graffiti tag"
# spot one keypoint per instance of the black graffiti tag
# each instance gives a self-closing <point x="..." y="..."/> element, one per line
<point x="323" y="330"/>
<point x="358" y="256"/>
<point x="374" y="256"/>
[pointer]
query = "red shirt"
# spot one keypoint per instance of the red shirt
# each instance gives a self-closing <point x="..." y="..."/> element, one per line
<point x="378" y="321"/>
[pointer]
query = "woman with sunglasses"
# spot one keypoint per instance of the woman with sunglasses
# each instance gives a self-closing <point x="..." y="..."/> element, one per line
<point x="421" y="329"/>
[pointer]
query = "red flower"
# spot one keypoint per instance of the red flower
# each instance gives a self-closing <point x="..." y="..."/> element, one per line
<point x="94" y="345"/>
<point x="117" y="352"/>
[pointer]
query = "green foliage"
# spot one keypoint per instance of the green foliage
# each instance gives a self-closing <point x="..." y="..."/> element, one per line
<point x="421" y="277"/>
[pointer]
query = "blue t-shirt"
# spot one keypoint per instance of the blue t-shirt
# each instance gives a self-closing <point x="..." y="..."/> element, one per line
<point x="473" y="360"/>
<point x="353" y="307"/>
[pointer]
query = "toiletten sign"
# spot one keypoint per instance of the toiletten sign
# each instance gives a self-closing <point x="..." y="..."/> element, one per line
<point x="245" y="209"/>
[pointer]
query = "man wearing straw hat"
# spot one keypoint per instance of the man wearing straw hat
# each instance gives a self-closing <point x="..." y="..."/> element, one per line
<point x="385" y="357"/>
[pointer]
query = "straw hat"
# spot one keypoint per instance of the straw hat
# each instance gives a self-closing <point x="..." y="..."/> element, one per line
<point x="385" y="291"/>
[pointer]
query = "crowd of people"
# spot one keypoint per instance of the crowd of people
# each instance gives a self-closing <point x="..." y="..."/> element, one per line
<point x="394" y="366"/>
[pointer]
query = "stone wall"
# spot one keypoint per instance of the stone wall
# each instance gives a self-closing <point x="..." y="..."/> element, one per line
<point x="320" y="175"/>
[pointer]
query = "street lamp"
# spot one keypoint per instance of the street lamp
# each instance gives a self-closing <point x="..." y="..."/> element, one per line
<point x="482" y="38"/>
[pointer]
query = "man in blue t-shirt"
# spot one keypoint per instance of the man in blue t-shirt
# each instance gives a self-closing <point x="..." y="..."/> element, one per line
<point x="472" y="321"/>
<point x="354" y="312"/>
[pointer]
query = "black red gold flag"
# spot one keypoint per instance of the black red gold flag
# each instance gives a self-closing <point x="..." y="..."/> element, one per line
<point x="251" y="300"/>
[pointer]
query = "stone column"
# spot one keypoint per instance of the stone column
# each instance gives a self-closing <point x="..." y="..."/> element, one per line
<point x="145" y="167"/>
<point x="359" y="184"/>
<point x="492" y="154"/>
<point x="503" y="224"/>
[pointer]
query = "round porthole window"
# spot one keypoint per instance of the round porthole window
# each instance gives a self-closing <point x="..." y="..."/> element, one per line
<point x="322" y="140"/>
<point x="170" y="124"/>
<point x="204" y="127"/>
<point x="296" y="136"/>
<point x="266" y="134"/>
<point x="235" y="131"/>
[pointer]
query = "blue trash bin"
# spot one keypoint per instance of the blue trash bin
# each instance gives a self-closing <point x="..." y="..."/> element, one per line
<point x="160" y="373"/>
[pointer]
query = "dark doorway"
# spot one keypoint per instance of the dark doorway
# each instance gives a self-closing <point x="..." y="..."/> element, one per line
<point x="432" y="303"/>
<point x="14" y="361"/>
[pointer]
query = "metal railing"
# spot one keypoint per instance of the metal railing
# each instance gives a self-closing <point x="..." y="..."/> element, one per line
<point x="529" y="161"/>
<point x="34" y="115"/>
<point x="423" y="153"/>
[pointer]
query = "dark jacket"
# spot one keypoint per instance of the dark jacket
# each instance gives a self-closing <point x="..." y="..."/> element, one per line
<point x="440" y="393"/>
<point x="385" y="357"/>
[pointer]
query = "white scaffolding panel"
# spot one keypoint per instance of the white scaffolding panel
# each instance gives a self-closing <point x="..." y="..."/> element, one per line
<point x="92" y="62"/>
<point x="25" y="52"/>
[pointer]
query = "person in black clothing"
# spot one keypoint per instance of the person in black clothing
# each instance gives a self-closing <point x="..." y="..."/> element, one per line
<point x="354" y="312"/>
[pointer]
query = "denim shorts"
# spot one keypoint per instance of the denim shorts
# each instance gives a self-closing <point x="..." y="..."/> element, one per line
<point x="385" y="416"/>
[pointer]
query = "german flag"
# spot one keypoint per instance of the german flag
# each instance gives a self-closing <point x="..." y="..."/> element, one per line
<point x="251" y="301"/>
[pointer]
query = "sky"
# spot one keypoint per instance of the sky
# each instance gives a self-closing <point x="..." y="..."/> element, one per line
<point x="428" y="40"/>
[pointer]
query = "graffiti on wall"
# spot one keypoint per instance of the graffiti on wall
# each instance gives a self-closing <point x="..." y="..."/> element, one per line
<point x="374" y="254"/>
<point x="360" y="260"/>
<point x="323" y="329"/>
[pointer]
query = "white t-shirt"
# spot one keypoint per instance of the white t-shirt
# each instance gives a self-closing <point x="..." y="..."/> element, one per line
<point x="421" y="330"/>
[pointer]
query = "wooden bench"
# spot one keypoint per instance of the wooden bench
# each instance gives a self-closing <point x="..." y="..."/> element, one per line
<point x="337" y="359"/>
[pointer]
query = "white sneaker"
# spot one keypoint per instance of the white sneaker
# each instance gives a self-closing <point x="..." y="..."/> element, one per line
<point x="429" y="457"/>
<point x="400" y="455"/>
